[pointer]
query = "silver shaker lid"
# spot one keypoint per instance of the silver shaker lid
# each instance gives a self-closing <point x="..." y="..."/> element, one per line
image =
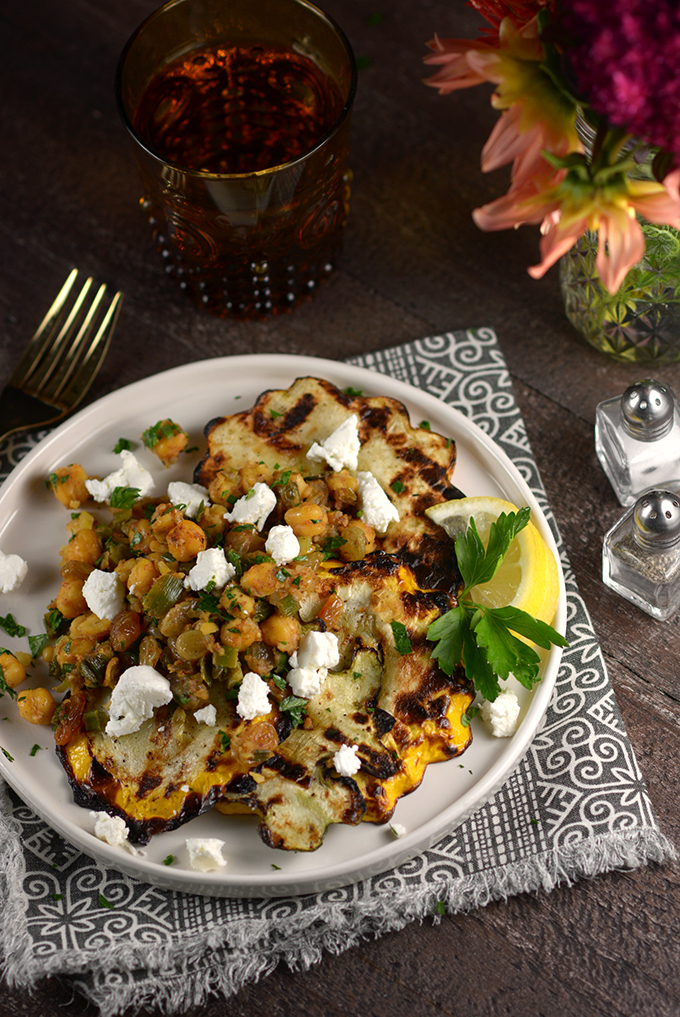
<point x="656" y="519"/>
<point x="647" y="410"/>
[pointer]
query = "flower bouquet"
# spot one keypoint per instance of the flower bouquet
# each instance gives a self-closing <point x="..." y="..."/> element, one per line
<point x="589" y="99"/>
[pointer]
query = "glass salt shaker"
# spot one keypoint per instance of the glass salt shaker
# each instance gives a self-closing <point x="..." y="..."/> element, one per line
<point x="641" y="554"/>
<point x="637" y="439"/>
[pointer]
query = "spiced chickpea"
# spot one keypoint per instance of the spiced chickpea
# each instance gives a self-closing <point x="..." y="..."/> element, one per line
<point x="13" y="671"/>
<point x="68" y="484"/>
<point x="261" y="580"/>
<point x="85" y="546"/>
<point x="142" y="576"/>
<point x="344" y="489"/>
<point x="37" y="706"/>
<point x="166" y="440"/>
<point x="70" y="600"/>
<point x="224" y="485"/>
<point x="255" y="473"/>
<point x="164" y="519"/>
<point x="186" y="540"/>
<point x="239" y="633"/>
<point x="281" y="631"/>
<point x="307" y="520"/>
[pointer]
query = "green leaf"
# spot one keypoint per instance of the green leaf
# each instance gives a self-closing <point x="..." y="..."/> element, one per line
<point x="122" y="444"/>
<point x="12" y="626"/>
<point x="124" y="497"/>
<point x="501" y="534"/>
<point x="401" y="639"/>
<point x="449" y="632"/>
<point x="104" y="903"/>
<point x="469" y="554"/>
<point x="477" y="667"/>
<point x="506" y="653"/>
<point x="537" y="631"/>
<point x="294" y="706"/>
<point x="168" y="860"/>
<point x="36" y="644"/>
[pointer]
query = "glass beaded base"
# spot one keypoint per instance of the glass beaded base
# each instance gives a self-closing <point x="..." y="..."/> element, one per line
<point x="641" y="322"/>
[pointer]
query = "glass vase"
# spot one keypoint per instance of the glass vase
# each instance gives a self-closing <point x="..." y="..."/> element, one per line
<point x="641" y="322"/>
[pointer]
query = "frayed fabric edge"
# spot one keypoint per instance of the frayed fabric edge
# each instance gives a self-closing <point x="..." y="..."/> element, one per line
<point x="327" y="928"/>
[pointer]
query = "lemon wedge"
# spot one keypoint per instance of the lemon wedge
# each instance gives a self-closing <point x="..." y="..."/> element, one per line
<point x="527" y="578"/>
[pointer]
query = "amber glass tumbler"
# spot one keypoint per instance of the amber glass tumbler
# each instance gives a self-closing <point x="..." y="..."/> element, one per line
<point x="239" y="114"/>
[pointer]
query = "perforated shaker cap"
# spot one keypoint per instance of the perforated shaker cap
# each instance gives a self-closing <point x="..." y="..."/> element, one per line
<point x="656" y="519"/>
<point x="647" y="410"/>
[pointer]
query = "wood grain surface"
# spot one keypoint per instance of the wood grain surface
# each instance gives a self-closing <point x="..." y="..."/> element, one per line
<point x="413" y="264"/>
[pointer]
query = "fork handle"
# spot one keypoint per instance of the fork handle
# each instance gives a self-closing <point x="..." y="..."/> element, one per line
<point x="17" y="413"/>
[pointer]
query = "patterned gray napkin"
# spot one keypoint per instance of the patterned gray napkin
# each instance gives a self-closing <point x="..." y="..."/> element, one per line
<point x="575" y="806"/>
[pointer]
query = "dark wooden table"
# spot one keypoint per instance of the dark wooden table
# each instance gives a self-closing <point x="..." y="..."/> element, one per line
<point x="413" y="265"/>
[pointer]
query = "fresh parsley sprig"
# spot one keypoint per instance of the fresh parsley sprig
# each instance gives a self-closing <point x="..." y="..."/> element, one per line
<point x="482" y="637"/>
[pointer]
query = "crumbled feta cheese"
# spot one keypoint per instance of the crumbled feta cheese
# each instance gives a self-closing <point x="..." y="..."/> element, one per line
<point x="205" y="853"/>
<point x="253" y="507"/>
<point x="138" y="692"/>
<point x="377" y="509"/>
<point x="211" y="567"/>
<point x="502" y="715"/>
<point x="192" y="496"/>
<point x="185" y="788"/>
<point x="397" y="829"/>
<point x="293" y="659"/>
<point x="104" y="594"/>
<point x="346" y="761"/>
<point x="253" y="697"/>
<point x="318" y="649"/>
<point x="282" y="544"/>
<point x="341" y="448"/>
<point x="306" y="681"/>
<point x="206" y="715"/>
<point x="13" y="571"/>
<point x="112" y="830"/>
<point x="130" y="474"/>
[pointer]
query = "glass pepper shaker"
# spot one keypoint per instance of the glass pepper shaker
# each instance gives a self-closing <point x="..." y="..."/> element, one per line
<point x="641" y="554"/>
<point x="637" y="439"/>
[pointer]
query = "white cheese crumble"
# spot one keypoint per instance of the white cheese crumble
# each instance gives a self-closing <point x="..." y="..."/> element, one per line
<point x="13" y="571"/>
<point x="253" y="507"/>
<point x="211" y="567"/>
<point x="346" y="761"/>
<point x="501" y="715"/>
<point x="112" y="830"/>
<point x="205" y="853"/>
<point x="397" y="829"/>
<point x="192" y="496"/>
<point x="130" y="474"/>
<point x="253" y="697"/>
<point x="206" y="715"/>
<point x="104" y="594"/>
<point x="318" y="649"/>
<point x="377" y="509"/>
<point x="282" y="544"/>
<point x="139" y="691"/>
<point x="306" y="681"/>
<point x="341" y="448"/>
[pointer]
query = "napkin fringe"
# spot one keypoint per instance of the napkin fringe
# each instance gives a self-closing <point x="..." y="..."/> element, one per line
<point x="254" y="948"/>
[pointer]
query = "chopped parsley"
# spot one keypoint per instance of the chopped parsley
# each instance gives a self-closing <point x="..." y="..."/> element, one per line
<point x="124" y="497"/>
<point x="123" y="444"/>
<point x="12" y="626"/>
<point x="104" y="903"/>
<point x="471" y="712"/>
<point x="36" y="644"/>
<point x="6" y="754"/>
<point x="163" y="429"/>
<point x="398" y="486"/>
<point x="294" y="706"/>
<point x="35" y="748"/>
<point x="401" y="639"/>
<point x="168" y="860"/>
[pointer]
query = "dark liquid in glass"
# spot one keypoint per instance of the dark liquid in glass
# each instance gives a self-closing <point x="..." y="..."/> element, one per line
<point x="251" y="246"/>
<point x="237" y="109"/>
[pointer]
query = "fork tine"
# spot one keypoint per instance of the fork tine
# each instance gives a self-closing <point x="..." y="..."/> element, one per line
<point x="43" y="334"/>
<point x="98" y="348"/>
<point x="36" y="381"/>
<point x="69" y="355"/>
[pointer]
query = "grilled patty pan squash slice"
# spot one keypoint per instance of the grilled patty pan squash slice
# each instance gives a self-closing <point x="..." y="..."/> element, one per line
<point x="387" y="697"/>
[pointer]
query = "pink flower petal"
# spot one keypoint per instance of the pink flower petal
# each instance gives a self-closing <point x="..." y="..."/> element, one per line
<point x="555" y="242"/>
<point x="621" y="244"/>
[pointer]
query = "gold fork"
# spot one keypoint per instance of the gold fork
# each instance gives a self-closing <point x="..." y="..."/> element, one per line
<point x="61" y="360"/>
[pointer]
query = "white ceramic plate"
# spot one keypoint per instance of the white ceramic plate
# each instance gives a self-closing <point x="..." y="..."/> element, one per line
<point x="32" y="524"/>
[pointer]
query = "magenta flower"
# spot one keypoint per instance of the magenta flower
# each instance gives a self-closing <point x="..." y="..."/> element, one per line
<point x="624" y="56"/>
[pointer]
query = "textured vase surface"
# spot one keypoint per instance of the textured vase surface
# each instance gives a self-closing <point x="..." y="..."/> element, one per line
<point x="641" y="322"/>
